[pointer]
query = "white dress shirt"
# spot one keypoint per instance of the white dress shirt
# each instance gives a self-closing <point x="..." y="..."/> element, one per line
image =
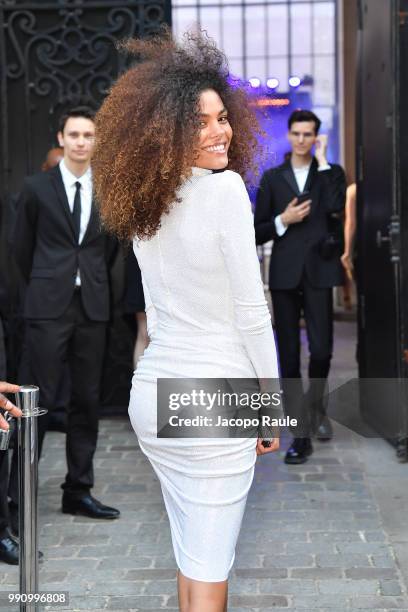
<point x="69" y="181"/>
<point x="301" y="175"/>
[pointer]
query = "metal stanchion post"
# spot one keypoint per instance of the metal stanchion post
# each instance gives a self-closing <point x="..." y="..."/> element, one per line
<point x="27" y="401"/>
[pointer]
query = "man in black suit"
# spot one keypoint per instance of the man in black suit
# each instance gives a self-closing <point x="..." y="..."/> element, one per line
<point x="296" y="207"/>
<point x="8" y="545"/>
<point x="64" y="257"/>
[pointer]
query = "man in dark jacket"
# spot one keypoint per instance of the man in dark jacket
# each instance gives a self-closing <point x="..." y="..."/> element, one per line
<point x="64" y="255"/>
<point x="296" y="207"/>
<point x="9" y="552"/>
<point x="8" y="546"/>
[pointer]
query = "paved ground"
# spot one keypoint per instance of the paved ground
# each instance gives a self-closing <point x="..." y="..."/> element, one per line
<point x="329" y="535"/>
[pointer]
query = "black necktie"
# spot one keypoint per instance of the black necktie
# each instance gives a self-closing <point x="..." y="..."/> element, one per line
<point x="76" y="212"/>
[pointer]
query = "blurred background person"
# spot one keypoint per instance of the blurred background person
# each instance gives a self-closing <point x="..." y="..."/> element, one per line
<point x="8" y="545"/>
<point x="53" y="158"/>
<point x="294" y="205"/>
<point x="350" y="225"/>
<point x="9" y="552"/>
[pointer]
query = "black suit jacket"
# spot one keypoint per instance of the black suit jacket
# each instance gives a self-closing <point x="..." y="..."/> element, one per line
<point x="49" y="257"/>
<point x="298" y="249"/>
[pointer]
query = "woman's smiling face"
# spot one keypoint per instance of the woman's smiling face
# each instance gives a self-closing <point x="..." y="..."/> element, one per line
<point x="215" y="132"/>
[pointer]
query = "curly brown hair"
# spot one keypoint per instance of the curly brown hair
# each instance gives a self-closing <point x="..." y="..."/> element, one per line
<point x="147" y="129"/>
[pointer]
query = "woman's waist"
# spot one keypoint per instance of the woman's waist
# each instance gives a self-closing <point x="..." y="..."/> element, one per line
<point x="200" y="355"/>
<point x="175" y="337"/>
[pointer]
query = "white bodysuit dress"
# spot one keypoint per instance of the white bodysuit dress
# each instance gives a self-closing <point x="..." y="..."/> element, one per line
<point x="207" y="318"/>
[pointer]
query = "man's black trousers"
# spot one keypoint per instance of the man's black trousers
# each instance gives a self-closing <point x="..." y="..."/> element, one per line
<point x="75" y="340"/>
<point x="317" y="308"/>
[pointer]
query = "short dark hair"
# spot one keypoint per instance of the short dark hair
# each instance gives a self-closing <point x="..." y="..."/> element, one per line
<point x="78" y="111"/>
<point x="304" y="115"/>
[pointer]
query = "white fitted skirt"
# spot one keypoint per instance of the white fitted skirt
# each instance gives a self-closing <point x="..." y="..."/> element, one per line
<point x="205" y="484"/>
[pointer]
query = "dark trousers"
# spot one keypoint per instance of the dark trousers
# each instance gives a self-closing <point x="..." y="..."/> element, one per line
<point x="4" y="519"/>
<point x="317" y="308"/>
<point x="50" y="345"/>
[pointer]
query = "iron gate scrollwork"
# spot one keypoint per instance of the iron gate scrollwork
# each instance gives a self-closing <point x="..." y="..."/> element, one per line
<point x="55" y="55"/>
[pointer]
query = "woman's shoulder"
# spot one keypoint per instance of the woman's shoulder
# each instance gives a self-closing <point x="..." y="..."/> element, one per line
<point x="229" y="183"/>
<point x="218" y="194"/>
<point x="218" y="184"/>
<point x="233" y="196"/>
<point x="221" y="178"/>
<point x="229" y="177"/>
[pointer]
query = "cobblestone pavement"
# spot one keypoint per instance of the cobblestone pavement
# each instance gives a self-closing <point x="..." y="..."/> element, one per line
<point x="315" y="537"/>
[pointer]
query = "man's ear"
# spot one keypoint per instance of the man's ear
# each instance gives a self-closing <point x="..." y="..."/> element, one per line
<point x="60" y="139"/>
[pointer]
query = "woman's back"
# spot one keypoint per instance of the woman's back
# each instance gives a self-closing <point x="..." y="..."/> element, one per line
<point x="182" y="265"/>
<point x="203" y="287"/>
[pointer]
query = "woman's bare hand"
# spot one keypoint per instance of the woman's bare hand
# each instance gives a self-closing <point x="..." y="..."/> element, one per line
<point x="262" y="450"/>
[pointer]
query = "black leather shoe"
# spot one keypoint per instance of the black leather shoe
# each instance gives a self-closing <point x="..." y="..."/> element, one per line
<point x="299" y="451"/>
<point x="8" y="550"/>
<point x="324" y="432"/>
<point x="88" y="506"/>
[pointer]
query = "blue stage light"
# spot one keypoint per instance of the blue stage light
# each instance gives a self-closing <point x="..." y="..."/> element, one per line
<point x="294" y="81"/>
<point x="255" y="82"/>
<point x="272" y="83"/>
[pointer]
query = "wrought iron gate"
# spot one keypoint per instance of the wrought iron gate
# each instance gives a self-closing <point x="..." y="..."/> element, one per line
<point x="55" y="55"/>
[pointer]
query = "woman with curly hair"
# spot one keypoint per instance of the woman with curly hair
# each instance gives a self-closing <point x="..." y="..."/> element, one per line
<point x="173" y="137"/>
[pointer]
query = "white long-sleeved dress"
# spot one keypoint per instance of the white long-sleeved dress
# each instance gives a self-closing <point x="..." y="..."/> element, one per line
<point x="207" y="318"/>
